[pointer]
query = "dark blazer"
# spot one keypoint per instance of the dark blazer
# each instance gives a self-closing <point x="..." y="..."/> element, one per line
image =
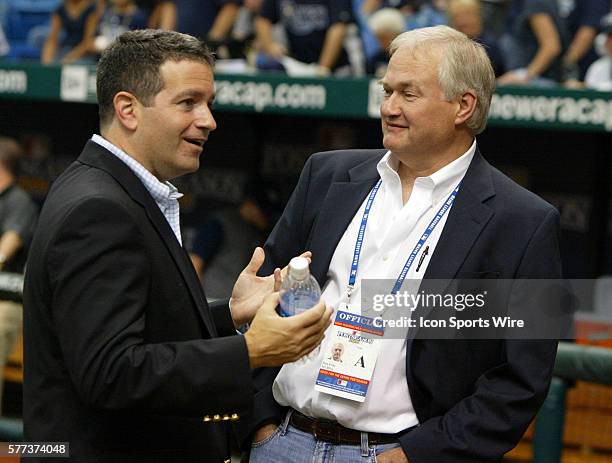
<point x="473" y="398"/>
<point x="123" y="357"/>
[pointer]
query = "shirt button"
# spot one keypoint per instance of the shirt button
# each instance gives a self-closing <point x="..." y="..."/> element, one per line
<point x="385" y="258"/>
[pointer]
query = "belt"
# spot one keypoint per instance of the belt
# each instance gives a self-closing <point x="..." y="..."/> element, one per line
<point x="330" y="431"/>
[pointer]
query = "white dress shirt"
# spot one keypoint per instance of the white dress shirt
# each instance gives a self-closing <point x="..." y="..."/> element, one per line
<point x="393" y="230"/>
<point x="165" y="194"/>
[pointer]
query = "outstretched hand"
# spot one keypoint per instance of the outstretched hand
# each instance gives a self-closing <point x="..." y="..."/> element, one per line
<point x="250" y="290"/>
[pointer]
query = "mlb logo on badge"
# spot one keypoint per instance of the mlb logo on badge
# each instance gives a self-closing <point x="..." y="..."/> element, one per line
<point x="342" y="382"/>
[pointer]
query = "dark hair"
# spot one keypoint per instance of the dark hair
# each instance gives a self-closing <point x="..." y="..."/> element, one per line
<point x="10" y="153"/>
<point x="132" y="63"/>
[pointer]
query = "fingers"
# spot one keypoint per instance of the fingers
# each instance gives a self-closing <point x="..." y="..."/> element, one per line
<point x="311" y="316"/>
<point x="321" y="325"/>
<point x="315" y="332"/>
<point x="305" y="254"/>
<point x="257" y="259"/>
<point x="311" y="344"/>
<point x="277" y="279"/>
<point x="270" y="302"/>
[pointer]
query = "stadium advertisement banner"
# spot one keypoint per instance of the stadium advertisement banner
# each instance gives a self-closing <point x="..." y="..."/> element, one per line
<point x="324" y="97"/>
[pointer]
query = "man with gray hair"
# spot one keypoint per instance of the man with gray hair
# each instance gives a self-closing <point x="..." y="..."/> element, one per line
<point x="426" y="207"/>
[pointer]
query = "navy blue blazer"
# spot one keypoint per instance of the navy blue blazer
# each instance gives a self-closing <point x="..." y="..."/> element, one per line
<point x="473" y="398"/>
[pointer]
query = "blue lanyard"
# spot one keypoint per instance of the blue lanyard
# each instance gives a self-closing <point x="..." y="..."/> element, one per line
<point x="428" y="231"/>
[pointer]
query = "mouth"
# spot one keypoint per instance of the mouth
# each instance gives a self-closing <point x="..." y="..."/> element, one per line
<point x="395" y="126"/>
<point x="199" y="142"/>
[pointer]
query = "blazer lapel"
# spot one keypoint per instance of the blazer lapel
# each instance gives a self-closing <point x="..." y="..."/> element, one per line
<point x="467" y="218"/>
<point x="97" y="156"/>
<point x="337" y="210"/>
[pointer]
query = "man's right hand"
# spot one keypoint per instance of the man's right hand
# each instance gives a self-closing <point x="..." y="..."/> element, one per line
<point x="273" y="340"/>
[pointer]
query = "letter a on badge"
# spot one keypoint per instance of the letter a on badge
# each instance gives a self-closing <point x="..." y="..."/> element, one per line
<point x="360" y="362"/>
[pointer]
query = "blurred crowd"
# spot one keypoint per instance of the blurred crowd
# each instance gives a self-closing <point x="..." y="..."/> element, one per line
<point x="534" y="42"/>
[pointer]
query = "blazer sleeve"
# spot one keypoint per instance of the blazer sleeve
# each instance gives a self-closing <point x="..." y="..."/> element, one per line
<point x="488" y="423"/>
<point x="98" y="267"/>
<point x="222" y="317"/>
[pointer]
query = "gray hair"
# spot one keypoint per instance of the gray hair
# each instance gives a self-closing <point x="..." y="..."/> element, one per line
<point x="464" y="65"/>
<point x="132" y="63"/>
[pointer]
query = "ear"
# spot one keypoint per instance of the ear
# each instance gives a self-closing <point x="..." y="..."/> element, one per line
<point x="467" y="106"/>
<point x="126" y="110"/>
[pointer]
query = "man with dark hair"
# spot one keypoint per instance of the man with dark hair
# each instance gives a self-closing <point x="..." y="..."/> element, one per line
<point x="124" y="359"/>
<point x="17" y="221"/>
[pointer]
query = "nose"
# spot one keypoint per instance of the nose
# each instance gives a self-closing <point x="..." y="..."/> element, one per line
<point x="389" y="106"/>
<point x="205" y="119"/>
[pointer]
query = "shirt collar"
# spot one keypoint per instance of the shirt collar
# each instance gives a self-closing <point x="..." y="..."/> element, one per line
<point x="161" y="191"/>
<point x="441" y="182"/>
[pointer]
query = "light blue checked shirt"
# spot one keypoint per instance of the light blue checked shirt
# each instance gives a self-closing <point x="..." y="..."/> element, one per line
<point x="165" y="194"/>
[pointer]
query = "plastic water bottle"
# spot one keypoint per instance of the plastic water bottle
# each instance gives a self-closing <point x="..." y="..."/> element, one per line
<point x="299" y="290"/>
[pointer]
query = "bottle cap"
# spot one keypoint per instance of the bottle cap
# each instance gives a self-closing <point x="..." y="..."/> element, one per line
<point x="298" y="268"/>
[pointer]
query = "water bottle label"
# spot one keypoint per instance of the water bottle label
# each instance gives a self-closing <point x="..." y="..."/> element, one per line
<point x="350" y="356"/>
<point x="297" y="299"/>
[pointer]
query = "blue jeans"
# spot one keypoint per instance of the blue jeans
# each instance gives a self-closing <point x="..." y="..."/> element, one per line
<point x="290" y="445"/>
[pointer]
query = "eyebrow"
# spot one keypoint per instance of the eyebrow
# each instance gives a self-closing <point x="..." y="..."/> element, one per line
<point x="402" y="84"/>
<point x="192" y="93"/>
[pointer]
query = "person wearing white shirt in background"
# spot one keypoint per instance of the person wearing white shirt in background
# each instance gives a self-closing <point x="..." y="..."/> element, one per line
<point x="599" y="74"/>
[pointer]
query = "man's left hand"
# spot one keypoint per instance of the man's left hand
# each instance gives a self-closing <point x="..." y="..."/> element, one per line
<point x="396" y="455"/>
<point x="250" y="290"/>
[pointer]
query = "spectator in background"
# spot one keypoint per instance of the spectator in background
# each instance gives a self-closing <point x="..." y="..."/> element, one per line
<point x="161" y="13"/>
<point x="244" y="27"/>
<point x="465" y="16"/>
<point x="73" y="27"/>
<point x="533" y="45"/>
<point x="385" y="24"/>
<point x="224" y="244"/>
<point x="4" y="45"/>
<point x="599" y="74"/>
<point x="17" y="221"/>
<point x="119" y="16"/>
<point x="582" y="18"/>
<point x="315" y="32"/>
<point x="494" y="14"/>
<point x="418" y="13"/>
<point x="209" y="20"/>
